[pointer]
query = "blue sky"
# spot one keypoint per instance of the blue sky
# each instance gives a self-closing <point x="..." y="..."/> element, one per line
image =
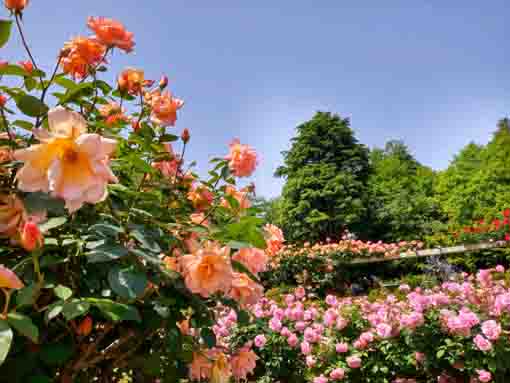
<point x="434" y="73"/>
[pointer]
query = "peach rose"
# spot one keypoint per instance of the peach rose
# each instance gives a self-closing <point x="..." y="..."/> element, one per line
<point x="242" y="159"/>
<point x="131" y="80"/>
<point x="208" y="270"/>
<point x="199" y="219"/>
<point x="221" y="372"/>
<point x="16" y="5"/>
<point x="243" y="363"/>
<point x="80" y="54"/>
<point x="244" y="290"/>
<point x="69" y="163"/>
<point x="164" y="107"/>
<point x="111" y="33"/>
<point x="252" y="258"/>
<point x="274" y="238"/>
<point x="112" y="113"/>
<point x="169" y="168"/>
<point x="200" y="197"/>
<point x="201" y="367"/>
<point x="9" y="280"/>
<point x="240" y="196"/>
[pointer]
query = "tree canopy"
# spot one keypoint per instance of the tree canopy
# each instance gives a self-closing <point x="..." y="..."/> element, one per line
<point x="326" y="173"/>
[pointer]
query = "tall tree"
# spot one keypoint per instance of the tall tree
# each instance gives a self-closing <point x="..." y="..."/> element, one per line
<point x="326" y="173"/>
<point x="477" y="182"/>
<point x="401" y="203"/>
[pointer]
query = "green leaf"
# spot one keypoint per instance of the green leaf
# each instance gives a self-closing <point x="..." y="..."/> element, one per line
<point x="53" y="310"/>
<point x="106" y="253"/>
<point x="5" y="31"/>
<point x="12" y="70"/>
<point x="24" y="125"/>
<point x="56" y="354"/>
<point x="5" y="340"/>
<point x="146" y="241"/>
<point x="30" y="83"/>
<point x="116" y="311"/>
<point x="209" y="337"/>
<point x="39" y="201"/>
<point x="25" y="296"/>
<point x="168" y="138"/>
<point x="77" y="92"/>
<point x="24" y="326"/>
<point x="31" y="106"/>
<point x="243" y="318"/>
<point x="65" y="82"/>
<point x="52" y="223"/>
<point x="63" y="292"/>
<point x="106" y="229"/>
<point x="127" y="283"/>
<point x="75" y="308"/>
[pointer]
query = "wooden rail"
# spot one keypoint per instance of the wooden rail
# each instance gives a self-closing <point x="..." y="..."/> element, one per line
<point x="434" y="252"/>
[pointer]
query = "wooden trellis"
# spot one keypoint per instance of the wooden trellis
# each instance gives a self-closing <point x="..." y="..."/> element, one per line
<point x="434" y="252"/>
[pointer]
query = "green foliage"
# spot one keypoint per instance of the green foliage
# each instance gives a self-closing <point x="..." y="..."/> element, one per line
<point x="475" y="185"/>
<point x="401" y="195"/>
<point x="326" y="172"/>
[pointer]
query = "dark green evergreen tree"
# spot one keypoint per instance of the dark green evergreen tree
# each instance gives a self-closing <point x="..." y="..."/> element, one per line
<point x="326" y="172"/>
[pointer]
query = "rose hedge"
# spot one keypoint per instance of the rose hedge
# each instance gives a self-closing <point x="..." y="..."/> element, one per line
<point x="454" y="332"/>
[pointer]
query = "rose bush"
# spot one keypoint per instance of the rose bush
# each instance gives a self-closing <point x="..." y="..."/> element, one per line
<point x="325" y="266"/>
<point x="111" y="245"/>
<point x="454" y="332"/>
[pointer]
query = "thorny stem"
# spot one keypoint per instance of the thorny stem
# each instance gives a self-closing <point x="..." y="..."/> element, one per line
<point x="7" y="294"/>
<point x="141" y="109"/>
<point x="37" y="267"/>
<point x="25" y="44"/>
<point x="6" y="124"/>
<point x="103" y="59"/>
<point x="181" y="161"/>
<point x="45" y="89"/>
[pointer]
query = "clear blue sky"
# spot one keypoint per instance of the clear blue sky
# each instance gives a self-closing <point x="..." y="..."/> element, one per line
<point x="434" y="73"/>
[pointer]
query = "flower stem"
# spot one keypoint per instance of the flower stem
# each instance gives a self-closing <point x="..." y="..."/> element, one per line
<point x="7" y="294"/>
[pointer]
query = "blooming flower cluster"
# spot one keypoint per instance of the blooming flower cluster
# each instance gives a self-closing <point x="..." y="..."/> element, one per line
<point x="459" y="325"/>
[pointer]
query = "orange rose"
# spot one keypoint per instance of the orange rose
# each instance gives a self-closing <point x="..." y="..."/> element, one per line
<point x="200" y="197"/>
<point x="244" y="290"/>
<point x="241" y="196"/>
<point x="111" y="33"/>
<point x="252" y="258"/>
<point x="243" y="363"/>
<point x="208" y="270"/>
<point x="242" y="159"/>
<point x="16" y="5"/>
<point x="80" y="54"/>
<point x="164" y="107"/>
<point x="131" y="80"/>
